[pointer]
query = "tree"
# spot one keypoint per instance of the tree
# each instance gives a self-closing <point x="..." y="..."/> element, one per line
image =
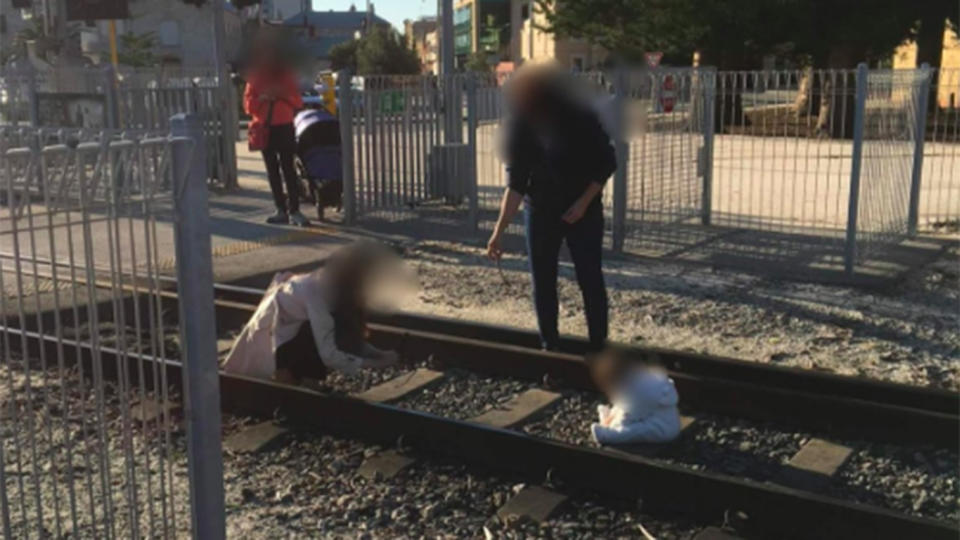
<point x="477" y="63"/>
<point x="626" y="28"/>
<point x="137" y="50"/>
<point x="382" y="51"/>
<point x="344" y="56"/>
<point x="932" y="21"/>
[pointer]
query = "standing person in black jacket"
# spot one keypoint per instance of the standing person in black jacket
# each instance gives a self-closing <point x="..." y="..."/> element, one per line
<point x="558" y="159"/>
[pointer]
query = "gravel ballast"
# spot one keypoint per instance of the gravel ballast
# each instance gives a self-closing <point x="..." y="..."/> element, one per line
<point x="905" y="333"/>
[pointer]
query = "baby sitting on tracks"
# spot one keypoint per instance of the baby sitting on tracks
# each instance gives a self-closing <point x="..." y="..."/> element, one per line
<point x="309" y="323"/>
<point x="643" y="401"/>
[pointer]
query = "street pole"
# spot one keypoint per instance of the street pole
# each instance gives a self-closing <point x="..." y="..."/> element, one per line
<point x="228" y="116"/>
<point x="446" y="36"/>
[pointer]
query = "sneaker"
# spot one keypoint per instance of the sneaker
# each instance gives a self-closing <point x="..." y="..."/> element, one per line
<point x="299" y="219"/>
<point x="280" y="218"/>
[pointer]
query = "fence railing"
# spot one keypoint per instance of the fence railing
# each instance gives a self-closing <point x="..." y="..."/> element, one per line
<point x="90" y="443"/>
<point x="776" y="157"/>
<point x="141" y="99"/>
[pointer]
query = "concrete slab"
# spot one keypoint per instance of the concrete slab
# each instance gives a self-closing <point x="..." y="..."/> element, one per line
<point x="532" y="502"/>
<point x="651" y="450"/>
<point x="519" y="409"/>
<point x="255" y="438"/>
<point x="384" y="465"/>
<point x="815" y="464"/>
<point x="398" y="387"/>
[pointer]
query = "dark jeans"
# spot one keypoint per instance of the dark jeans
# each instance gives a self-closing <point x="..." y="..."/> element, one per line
<point x="300" y="355"/>
<point x="545" y="233"/>
<point x="281" y="147"/>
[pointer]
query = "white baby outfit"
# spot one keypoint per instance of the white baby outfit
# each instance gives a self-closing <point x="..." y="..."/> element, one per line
<point x="644" y="410"/>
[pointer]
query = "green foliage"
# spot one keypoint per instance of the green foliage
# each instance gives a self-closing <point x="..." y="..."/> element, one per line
<point x="477" y="63"/>
<point x="344" y="56"/>
<point x="379" y="52"/>
<point x="626" y="28"/>
<point x="137" y="49"/>
<point x="738" y="33"/>
<point x="382" y="51"/>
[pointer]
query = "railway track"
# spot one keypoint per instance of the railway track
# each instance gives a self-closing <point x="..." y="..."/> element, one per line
<point x="834" y="408"/>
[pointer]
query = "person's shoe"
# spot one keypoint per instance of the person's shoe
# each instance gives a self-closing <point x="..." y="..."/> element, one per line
<point x="280" y="218"/>
<point x="299" y="219"/>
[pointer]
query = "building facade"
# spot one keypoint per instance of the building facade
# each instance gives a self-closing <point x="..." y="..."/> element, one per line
<point x="948" y="91"/>
<point x="183" y="33"/>
<point x="320" y="31"/>
<point x="481" y="26"/>
<point x="421" y="36"/>
<point x="530" y="44"/>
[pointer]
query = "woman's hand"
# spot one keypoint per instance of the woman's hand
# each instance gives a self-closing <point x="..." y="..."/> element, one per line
<point x="579" y="208"/>
<point x="575" y="212"/>
<point x="494" y="249"/>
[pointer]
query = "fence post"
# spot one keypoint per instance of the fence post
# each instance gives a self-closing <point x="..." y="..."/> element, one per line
<point x="345" y="111"/>
<point x="198" y="328"/>
<point x="32" y="101"/>
<point x="850" y="251"/>
<point x="110" y="106"/>
<point x="621" y="94"/>
<point x="913" y="216"/>
<point x="473" y="190"/>
<point x="709" y="109"/>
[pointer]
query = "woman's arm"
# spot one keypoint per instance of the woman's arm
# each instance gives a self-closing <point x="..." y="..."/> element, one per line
<point x="508" y="209"/>
<point x="323" y="326"/>
<point x="579" y="207"/>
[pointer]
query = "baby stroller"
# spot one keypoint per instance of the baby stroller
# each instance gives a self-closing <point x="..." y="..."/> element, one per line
<point x="318" y="158"/>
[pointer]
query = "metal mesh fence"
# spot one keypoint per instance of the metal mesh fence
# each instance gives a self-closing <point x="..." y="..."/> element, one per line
<point x="664" y="129"/>
<point x="88" y="441"/>
<point x="782" y="152"/>
<point x="141" y="100"/>
<point x="716" y="166"/>
<point x="889" y="141"/>
<point x="940" y="188"/>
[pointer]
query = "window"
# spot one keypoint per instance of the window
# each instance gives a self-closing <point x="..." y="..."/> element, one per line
<point x="524" y="12"/>
<point x="169" y="34"/>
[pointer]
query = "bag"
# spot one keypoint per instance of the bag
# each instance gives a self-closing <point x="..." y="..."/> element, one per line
<point x="258" y="134"/>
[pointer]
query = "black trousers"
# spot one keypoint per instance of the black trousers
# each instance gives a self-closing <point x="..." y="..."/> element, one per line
<point x="278" y="157"/>
<point x="546" y="231"/>
<point x="300" y="356"/>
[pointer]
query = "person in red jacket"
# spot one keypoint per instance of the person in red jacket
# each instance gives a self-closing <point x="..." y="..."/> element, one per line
<point x="272" y="97"/>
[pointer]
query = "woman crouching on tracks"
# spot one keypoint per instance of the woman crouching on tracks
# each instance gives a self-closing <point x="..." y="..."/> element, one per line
<point x="309" y="323"/>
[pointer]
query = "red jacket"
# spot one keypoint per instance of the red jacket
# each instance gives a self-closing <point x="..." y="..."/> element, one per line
<point x="285" y="87"/>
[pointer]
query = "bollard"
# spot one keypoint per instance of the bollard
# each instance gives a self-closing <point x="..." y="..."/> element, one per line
<point x="198" y="328"/>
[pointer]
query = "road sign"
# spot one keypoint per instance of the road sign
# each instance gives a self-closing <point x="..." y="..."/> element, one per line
<point x="94" y="10"/>
<point x="653" y="58"/>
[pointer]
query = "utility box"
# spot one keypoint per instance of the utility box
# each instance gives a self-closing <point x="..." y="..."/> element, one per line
<point x="449" y="173"/>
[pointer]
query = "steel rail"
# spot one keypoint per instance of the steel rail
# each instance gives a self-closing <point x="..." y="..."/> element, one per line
<point x="678" y="362"/>
<point x="690" y="363"/>
<point x="838" y="415"/>
<point x="770" y="509"/>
